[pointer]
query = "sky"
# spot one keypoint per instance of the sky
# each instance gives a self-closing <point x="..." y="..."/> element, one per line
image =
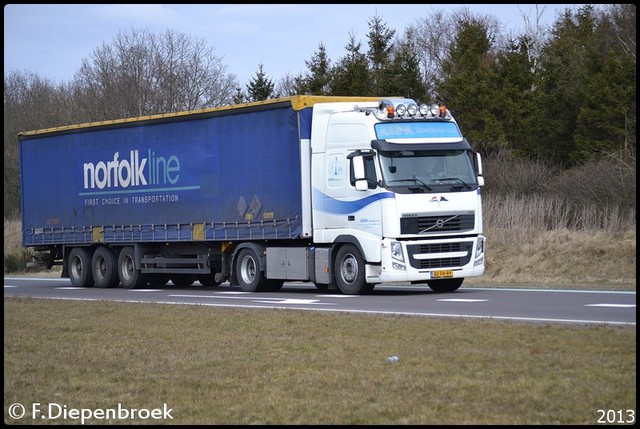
<point x="53" y="40"/>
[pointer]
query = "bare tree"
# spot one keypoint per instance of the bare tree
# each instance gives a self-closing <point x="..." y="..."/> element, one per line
<point x="535" y="33"/>
<point x="141" y="73"/>
<point x="624" y="20"/>
<point x="285" y="87"/>
<point x="432" y="35"/>
<point x="30" y="102"/>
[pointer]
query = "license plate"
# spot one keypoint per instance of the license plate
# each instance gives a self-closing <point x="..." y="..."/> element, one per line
<point x="441" y="274"/>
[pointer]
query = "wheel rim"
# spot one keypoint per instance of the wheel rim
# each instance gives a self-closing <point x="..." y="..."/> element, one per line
<point x="127" y="269"/>
<point x="76" y="267"/>
<point x="248" y="269"/>
<point x="349" y="269"/>
<point x="101" y="269"/>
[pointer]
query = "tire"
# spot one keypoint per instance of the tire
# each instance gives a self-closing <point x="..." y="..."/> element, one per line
<point x="104" y="266"/>
<point x="350" y="271"/>
<point x="446" y="285"/>
<point x="248" y="273"/>
<point x="79" y="267"/>
<point x="130" y="277"/>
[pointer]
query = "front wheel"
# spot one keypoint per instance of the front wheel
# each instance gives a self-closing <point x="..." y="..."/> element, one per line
<point x="350" y="271"/>
<point x="446" y="285"/>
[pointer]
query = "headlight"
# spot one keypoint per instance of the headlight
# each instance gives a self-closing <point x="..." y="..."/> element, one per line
<point x="480" y="248"/>
<point x="479" y="259"/>
<point x="396" y="251"/>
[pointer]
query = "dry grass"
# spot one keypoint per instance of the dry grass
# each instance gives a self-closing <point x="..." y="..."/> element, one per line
<point x="224" y="366"/>
<point x="593" y="259"/>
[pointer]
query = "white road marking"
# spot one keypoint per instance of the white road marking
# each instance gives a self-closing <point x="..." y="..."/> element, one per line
<point x="612" y="305"/>
<point x="254" y="298"/>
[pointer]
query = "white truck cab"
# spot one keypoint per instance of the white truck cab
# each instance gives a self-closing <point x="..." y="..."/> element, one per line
<point x="399" y="186"/>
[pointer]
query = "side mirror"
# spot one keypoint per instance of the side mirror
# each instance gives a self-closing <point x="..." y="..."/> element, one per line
<point x="359" y="173"/>
<point x="479" y="164"/>
<point x="358" y="167"/>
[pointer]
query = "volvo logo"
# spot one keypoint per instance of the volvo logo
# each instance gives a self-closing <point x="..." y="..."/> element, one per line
<point x="439" y="223"/>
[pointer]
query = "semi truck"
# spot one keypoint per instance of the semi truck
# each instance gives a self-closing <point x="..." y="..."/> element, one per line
<point x="329" y="190"/>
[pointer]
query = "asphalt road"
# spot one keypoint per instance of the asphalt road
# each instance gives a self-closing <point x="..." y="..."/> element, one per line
<point x="523" y="305"/>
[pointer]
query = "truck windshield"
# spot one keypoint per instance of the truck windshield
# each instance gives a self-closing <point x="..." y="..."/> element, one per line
<point x="425" y="170"/>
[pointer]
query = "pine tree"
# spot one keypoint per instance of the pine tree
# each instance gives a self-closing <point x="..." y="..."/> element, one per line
<point x="402" y="76"/>
<point x="466" y="81"/>
<point x="316" y="81"/>
<point x="379" y="54"/>
<point x="260" y="87"/>
<point x="350" y="76"/>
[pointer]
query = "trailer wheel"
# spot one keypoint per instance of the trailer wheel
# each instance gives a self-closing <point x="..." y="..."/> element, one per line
<point x="446" y="285"/>
<point x="350" y="271"/>
<point x="104" y="266"/>
<point x="250" y="278"/>
<point x="79" y="267"/>
<point x="130" y="277"/>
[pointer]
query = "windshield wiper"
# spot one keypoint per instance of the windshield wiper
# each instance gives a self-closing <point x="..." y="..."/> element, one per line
<point x="414" y="180"/>
<point x="441" y="179"/>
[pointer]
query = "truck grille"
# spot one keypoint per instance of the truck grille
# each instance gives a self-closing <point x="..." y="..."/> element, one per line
<point x="436" y="224"/>
<point x="419" y="255"/>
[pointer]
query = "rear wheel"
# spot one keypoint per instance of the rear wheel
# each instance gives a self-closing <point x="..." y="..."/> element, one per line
<point x="104" y="266"/>
<point x="130" y="277"/>
<point x="445" y="285"/>
<point x="248" y="273"/>
<point x="79" y="267"/>
<point x="350" y="271"/>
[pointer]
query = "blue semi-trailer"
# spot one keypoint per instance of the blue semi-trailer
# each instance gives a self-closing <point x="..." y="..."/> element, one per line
<point x="330" y="190"/>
